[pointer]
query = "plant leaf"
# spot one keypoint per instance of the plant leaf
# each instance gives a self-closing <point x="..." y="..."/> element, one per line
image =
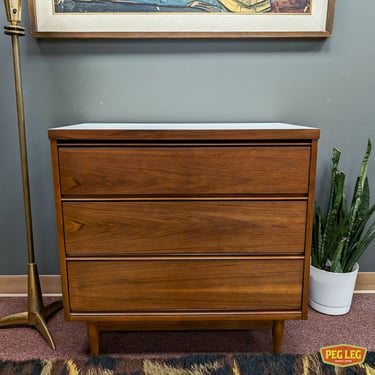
<point x="339" y="237"/>
<point x="336" y="265"/>
<point x="360" y="248"/>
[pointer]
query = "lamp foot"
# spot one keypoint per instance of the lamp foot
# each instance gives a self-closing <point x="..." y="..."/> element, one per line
<point x="37" y="313"/>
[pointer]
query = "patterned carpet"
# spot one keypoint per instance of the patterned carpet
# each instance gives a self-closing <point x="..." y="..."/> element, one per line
<point x="286" y="364"/>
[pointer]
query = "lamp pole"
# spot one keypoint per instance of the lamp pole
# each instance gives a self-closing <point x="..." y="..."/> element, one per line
<point x="37" y="312"/>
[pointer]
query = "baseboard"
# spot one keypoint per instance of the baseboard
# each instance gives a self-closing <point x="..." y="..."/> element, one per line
<point x="365" y="282"/>
<point x="16" y="285"/>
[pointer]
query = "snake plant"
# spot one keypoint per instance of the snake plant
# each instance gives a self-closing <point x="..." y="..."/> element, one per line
<point x="343" y="233"/>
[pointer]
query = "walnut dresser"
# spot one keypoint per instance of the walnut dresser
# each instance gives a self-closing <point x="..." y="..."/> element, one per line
<point x="184" y="226"/>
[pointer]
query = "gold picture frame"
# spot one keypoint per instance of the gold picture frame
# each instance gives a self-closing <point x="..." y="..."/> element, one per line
<point x="195" y="19"/>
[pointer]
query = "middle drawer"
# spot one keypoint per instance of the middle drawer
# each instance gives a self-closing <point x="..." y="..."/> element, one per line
<point x="184" y="227"/>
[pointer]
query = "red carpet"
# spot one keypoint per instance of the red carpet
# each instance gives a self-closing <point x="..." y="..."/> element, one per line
<point x="355" y="328"/>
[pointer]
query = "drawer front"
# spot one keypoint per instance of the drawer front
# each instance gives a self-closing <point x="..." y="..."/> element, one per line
<point x="184" y="227"/>
<point x="184" y="170"/>
<point x="178" y="285"/>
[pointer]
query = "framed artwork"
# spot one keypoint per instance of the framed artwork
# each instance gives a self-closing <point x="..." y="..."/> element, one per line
<point x="180" y="18"/>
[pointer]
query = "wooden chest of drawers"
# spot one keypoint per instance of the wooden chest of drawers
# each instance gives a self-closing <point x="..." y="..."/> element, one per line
<point x="182" y="226"/>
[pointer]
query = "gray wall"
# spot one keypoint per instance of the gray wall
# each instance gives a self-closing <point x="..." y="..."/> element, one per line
<point x="324" y="83"/>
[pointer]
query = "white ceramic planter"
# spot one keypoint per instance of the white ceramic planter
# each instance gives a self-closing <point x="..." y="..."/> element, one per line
<point x="331" y="293"/>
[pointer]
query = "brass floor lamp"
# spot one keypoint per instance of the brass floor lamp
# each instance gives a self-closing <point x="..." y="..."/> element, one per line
<point x="37" y="312"/>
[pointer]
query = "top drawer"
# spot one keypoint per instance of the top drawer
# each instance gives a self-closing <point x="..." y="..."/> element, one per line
<point x="183" y="170"/>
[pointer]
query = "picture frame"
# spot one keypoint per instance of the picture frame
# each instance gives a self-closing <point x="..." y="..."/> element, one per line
<point x="194" y="19"/>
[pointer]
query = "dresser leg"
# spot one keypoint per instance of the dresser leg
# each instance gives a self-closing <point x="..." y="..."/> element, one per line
<point x="93" y="333"/>
<point x="277" y="335"/>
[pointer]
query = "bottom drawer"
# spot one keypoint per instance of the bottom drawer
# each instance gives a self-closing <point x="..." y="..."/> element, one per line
<point x="184" y="284"/>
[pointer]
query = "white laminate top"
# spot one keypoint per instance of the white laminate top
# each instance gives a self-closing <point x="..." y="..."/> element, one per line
<point x="184" y="126"/>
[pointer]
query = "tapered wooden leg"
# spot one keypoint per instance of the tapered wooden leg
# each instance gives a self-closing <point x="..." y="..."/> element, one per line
<point x="277" y="335"/>
<point x="93" y="333"/>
